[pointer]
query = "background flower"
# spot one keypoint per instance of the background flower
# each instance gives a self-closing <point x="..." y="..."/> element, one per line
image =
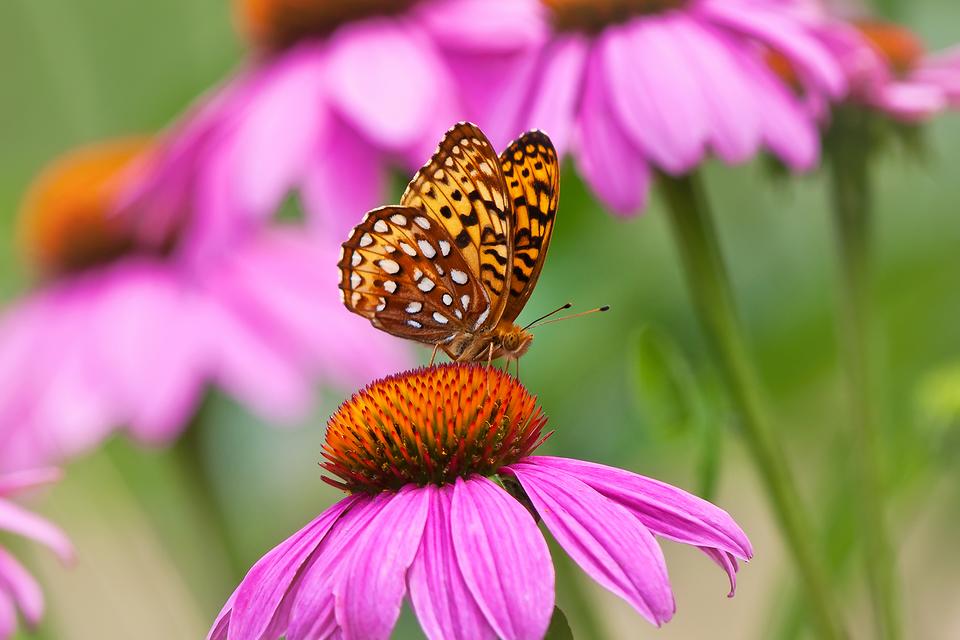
<point x="630" y="87"/>
<point x="18" y="589"/>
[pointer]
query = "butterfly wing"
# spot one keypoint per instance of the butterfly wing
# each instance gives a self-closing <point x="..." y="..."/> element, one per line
<point x="401" y="270"/>
<point x="531" y="174"/>
<point x="462" y="190"/>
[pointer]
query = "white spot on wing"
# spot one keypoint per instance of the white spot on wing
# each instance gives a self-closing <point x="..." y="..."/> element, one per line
<point x="422" y="222"/>
<point x="407" y="249"/>
<point x="390" y="286"/>
<point x="356" y="258"/>
<point x="426" y="247"/>
<point x="399" y="219"/>
<point x="382" y="305"/>
<point x="438" y="174"/>
<point x="389" y="266"/>
<point x="414" y="324"/>
<point x="457" y="313"/>
<point x="483" y="316"/>
<point x="459" y="276"/>
<point x="380" y="226"/>
<point x="366" y="240"/>
<point x="414" y="307"/>
<point x="485" y="169"/>
<point x="426" y="285"/>
<point x="417" y="274"/>
<point x="465" y="301"/>
<point x="354" y="298"/>
<point x="447" y="299"/>
<point x="355" y="280"/>
<point x="444" y="247"/>
<point x="440" y="318"/>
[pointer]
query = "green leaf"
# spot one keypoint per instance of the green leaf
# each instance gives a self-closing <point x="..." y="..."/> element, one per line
<point x="667" y="391"/>
<point x="559" y="627"/>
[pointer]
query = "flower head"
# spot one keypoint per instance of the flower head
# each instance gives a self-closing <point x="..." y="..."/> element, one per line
<point x="18" y="589"/>
<point x="131" y="318"/>
<point x="632" y="86"/>
<point x="445" y="498"/>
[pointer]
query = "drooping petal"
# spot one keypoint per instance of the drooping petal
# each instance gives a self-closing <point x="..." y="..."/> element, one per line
<point x="604" y="538"/>
<point x="503" y="558"/>
<point x="553" y="104"/>
<point x="664" y="509"/>
<point x="264" y="587"/>
<point x="440" y="596"/>
<point x="616" y="169"/>
<point x="728" y="563"/>
<point x="221" y="626"/>
<point x="22" y="587"/>
<point x="8" y="616"/>
<point x="657" y="103"/>
<point x="15" y="482"/>
<point x="370" y="590"/>
<point x="15" y="519"/>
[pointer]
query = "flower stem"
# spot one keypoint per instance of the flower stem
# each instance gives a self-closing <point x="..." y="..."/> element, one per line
<point x="709" y="285"/>
<point x="850" y="195"/>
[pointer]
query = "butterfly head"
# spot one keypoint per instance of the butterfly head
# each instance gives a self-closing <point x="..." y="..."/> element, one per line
<point x="511" y="341"/>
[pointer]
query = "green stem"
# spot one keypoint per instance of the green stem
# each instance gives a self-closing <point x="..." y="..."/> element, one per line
<point x="709" y="285"/>
<point x="850" y="191"/>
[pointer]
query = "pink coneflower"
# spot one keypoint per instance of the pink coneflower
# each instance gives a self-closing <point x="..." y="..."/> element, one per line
<point x="333" y="94"/>
<point x="629" y="86"/>
<point x="18" y="589"/>
<point x="124" y="332"/>
<point x="445" y="497"/>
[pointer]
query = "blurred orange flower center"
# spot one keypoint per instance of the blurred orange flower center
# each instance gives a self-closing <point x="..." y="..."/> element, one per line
<point x="274" y="24"/>
<point x="431" y="426"/>
<point x="899" y="46"/>
<point x="595" y="15"/>
<point x="65" y="221"/>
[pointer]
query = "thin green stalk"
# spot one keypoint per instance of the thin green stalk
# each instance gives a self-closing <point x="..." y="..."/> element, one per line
<point x="709" y="285"/>
<point x="850" y="191"/>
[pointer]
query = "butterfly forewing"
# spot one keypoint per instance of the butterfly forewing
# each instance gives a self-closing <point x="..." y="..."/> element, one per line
<point x="531" y="173"/>
<point x="402" y="271"/>
<point x="463" y="190"/>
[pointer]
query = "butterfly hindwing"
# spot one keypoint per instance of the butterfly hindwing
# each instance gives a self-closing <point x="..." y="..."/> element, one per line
<point x="463" y="190"/>
<point x="402" y="271"/>
<point x="531" y="174"/>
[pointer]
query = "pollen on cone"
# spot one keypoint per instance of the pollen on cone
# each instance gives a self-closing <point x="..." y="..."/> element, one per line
<point x="65" y="219"/>
<point x="431" y="426"/>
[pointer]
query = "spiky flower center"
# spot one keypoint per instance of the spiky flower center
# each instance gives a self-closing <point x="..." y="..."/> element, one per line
<point x="899" y="46"/>
<point x="66" y="222"/>
<point x="594" y="15"/>
<point x="431" y="426"/>
<point x="275" y="24"/>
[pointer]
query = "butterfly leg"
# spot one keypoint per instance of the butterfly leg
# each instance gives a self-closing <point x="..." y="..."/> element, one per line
<point x="490" y="355"/>
<point x="433" y="356"/>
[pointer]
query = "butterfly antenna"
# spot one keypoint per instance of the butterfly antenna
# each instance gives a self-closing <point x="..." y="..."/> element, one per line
<point x="557" y="310"/>
<point x="577" y="315"/>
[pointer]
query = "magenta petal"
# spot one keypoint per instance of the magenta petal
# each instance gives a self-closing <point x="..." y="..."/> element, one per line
<point x="11" y="483"/>
<point x="613" y="167"/>
<point x="25" y="591"/>
<point x="377" y="63"/>
<point x="728" y="563"/>
<point x="664" y="509"/>
<point x="8" y="616"/>
<point x="311" y="598"/>
<point x="491" y="27"/>
<point x="653" y="93"/>
<point x="221" y="626"/>
<point x="373" y="583"/>
<point x="604" y="538"/>
<point x="440" y="596"/>
<point x="503" y="558"/>
<point x="559" y="89"/>
<point x="15" y="519"/>
<point x="263" y="588"/>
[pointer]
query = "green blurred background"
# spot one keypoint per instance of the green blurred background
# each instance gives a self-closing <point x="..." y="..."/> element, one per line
<point x="632" y="387"/>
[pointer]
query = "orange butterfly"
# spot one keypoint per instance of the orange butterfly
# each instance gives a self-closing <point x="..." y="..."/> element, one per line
<point x="454" y="264"/>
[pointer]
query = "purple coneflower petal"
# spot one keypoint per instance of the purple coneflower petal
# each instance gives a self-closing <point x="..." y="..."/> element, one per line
<point x="658" y="104"/>
<point x="609" y="162"/>
<point x="371" y="587"/>
<point x="21" y="586"/>
<point x="15" y="482"/>
<point x="604" y="538"/>
<point x="558" y="89"/>
<point x="22" y="522"/>
<point x="263" y="588"/>
<point x="440" y="596"/>
<point x="8" y="615"/>
<point x="221" y="626"/>
<point x="503" y="558"/>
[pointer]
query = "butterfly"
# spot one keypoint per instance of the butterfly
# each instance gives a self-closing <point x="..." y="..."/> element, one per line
<point x="456" y="261"/>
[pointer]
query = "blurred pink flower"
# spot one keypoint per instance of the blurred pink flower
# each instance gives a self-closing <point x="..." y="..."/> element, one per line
<point x="18" y="589"/>
<point x="464" y="544"/>
<point x="632" y="86"/>
<point x="130" y="324"/>
<point x="333" y="94"/>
